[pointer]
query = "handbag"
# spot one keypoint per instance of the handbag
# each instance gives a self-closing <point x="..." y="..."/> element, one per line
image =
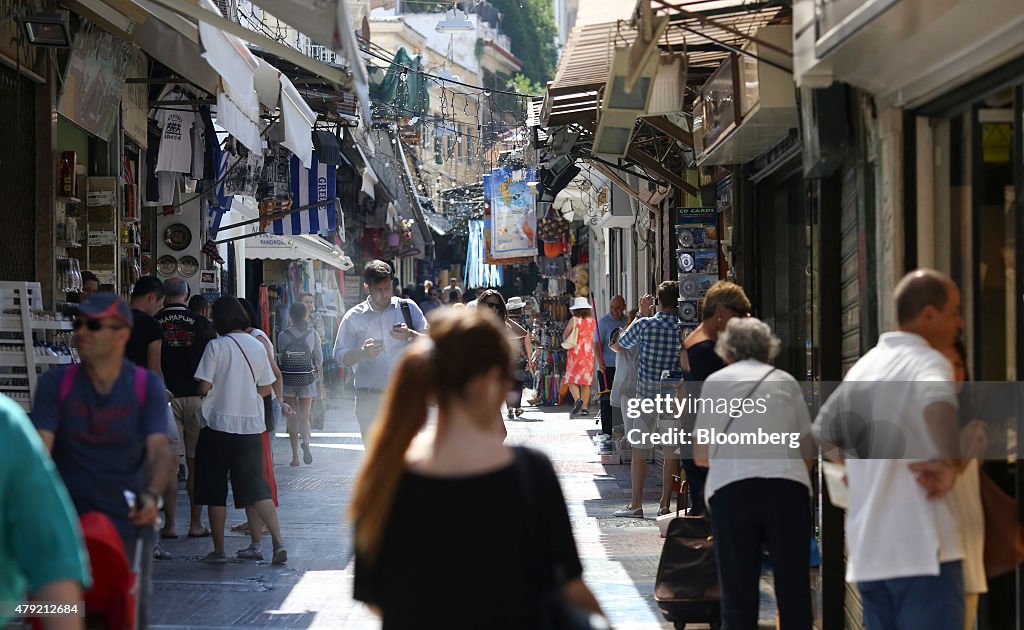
<point x="552" y="227"/>
<point x="268" y="405"/>
<point x="1004" y="538"/>
<point x="570" y="342"/>
<point x="555" y="612"/>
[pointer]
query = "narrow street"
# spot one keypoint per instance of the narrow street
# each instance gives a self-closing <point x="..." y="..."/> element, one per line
<point x="620" y="556"/>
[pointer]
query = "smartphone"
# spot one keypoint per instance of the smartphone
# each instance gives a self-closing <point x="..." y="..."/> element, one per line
<point x="397" y="327"/>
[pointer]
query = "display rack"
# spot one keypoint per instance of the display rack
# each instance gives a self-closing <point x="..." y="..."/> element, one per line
<point x="26" y="347"/>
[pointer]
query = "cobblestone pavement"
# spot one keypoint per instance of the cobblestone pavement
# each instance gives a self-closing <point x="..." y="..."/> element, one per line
<point x="620" y="556"/>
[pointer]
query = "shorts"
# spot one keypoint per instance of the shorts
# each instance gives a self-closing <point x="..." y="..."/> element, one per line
<point x="186" y="414"/>
<point x="174" y="436"/>
<point x="219" y="454"/>
<point x="637" y="431"/>
<point x="302" y="391"/>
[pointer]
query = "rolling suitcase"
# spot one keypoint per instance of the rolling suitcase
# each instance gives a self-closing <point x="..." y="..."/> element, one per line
<point x="686" y="587"/>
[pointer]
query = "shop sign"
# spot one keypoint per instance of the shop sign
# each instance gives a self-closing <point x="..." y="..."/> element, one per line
<point x="513" y="214"/>
<point x="92" y="89"/>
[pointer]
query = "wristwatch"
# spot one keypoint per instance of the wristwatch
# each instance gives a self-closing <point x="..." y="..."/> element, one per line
<point x="157" y="498"/>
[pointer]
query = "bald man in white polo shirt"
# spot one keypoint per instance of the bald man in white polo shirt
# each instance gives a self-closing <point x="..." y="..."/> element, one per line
<point x="904" y="539"/>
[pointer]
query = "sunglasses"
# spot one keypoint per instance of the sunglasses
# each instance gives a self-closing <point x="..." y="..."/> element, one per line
<point x="93" y="325"/>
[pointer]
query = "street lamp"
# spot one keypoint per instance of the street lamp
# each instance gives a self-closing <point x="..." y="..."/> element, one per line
<point x="454" y="24"/>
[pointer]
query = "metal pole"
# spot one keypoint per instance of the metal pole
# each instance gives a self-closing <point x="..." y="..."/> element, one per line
<point x="280" y="215"/>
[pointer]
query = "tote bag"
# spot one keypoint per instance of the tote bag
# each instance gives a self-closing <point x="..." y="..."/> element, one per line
<point x="570" y="342"/>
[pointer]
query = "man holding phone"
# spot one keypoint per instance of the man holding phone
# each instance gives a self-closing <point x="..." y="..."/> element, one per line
<point x="372" y="337"/>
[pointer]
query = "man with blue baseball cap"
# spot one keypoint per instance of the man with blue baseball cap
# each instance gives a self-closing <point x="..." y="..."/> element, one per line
<point x="105" y="423"/>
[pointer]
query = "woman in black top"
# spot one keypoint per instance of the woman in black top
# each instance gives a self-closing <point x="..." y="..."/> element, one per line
<point x="723" y="301"/>
<point x="424" y="557"/>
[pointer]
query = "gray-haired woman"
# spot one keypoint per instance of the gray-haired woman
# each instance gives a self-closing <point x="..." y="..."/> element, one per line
<point x="753" y="435"/>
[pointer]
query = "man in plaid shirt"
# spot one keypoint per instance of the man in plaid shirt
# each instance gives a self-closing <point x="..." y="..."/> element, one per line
<point x="659" y="341"/>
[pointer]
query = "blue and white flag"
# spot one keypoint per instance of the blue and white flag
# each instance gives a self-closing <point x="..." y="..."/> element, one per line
<point x="310" y="185"/>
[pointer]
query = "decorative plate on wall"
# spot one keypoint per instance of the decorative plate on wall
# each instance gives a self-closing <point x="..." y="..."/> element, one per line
<point x="177" y="236"/>
<point x="147" y="265"/>
<point x="188" y="266"/>
<point x="166" y="265"/>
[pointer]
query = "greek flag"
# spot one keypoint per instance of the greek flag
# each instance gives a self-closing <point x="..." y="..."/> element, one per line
<point x="309" y="185"/>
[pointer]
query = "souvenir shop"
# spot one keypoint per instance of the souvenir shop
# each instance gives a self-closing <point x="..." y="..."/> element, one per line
<point x="563" y="274"/>
<point x="136" y="169"/>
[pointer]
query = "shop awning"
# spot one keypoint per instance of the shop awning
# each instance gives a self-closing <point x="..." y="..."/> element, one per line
<point x="278" y="247"/>
<point x="274" y="247"/>
<point x="327" y="23"/>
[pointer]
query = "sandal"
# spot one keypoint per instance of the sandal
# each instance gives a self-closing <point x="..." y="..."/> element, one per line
<point x="307" y="457"/>
<point x="662" y="511"/>
<point x="280" y="556"/>
<point x="159" y="553"/>
<point x="252" y="552"/>
<point x="241" y="527"/>
<point x="519" y="412"/>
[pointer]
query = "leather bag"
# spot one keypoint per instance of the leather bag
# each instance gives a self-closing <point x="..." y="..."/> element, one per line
<point x="687" y="570"/>
<point x="1004" y="537"/>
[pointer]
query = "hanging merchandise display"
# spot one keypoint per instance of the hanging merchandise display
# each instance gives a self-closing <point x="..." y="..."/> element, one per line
<point x="697" y="257"/>
<point x="551" y="228"/>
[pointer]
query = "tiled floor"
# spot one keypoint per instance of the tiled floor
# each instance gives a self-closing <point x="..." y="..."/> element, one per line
<point x="620" y="556"/>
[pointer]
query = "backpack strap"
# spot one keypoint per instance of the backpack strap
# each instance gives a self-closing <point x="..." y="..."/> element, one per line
<point x="407" y="314"/>
<point x="67" y="381"/>
<point x="141" y="381"/>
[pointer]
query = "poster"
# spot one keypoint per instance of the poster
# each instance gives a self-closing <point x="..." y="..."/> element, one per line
<point x="136" y="99"/>
<point x="92" y="92"/>
<point x="513" y="214"/>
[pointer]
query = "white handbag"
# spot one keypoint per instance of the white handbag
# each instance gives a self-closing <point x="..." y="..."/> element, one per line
<point x="570" y="342"/>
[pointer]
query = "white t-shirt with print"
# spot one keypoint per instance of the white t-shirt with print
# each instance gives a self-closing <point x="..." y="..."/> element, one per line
<point x="233" y="404"/>
<point x="892" y="529"/>
<point x="175" y="122"/>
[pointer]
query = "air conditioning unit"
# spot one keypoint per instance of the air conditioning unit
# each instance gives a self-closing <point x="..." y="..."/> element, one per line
<point x="649" y="29"/>
<point x="669" y="89"/>
<point x="620" y="106"/>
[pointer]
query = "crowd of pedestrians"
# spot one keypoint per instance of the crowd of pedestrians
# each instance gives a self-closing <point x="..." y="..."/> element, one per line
<point x="159" y="383"/>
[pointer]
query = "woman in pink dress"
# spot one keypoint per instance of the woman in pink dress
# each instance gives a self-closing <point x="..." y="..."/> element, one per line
<point x="579" y="366"/>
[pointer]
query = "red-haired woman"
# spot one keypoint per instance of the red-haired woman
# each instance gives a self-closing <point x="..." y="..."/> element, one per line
<point x="411" y="491"/>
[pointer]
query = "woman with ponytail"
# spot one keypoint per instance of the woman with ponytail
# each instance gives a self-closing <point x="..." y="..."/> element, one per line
<point x="424" y="559"/>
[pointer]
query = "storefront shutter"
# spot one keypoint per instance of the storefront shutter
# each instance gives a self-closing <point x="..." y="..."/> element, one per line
<point x="849" y="274"/>
<point x="850" y="265"/>
<point x="17" y="175"/>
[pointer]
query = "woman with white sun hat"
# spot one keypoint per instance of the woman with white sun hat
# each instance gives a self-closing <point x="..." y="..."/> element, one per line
<point x="579" y="365"/>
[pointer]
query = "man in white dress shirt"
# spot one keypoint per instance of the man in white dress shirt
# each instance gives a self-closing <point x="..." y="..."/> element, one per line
<point x="905" y="546"/>
<point x="372" y="336"/>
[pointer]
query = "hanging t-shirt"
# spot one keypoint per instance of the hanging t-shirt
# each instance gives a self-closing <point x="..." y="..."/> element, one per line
<point x="175" y="123"/>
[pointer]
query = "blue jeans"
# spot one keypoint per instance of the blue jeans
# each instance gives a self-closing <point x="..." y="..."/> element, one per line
<point x="923" y="602"/>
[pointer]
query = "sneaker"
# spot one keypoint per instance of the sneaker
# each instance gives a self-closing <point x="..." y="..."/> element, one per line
<point x="280" y="556"/>
<point x="159" y="553"/>
<point x="628" y="512"/>
<point x="252" y="552"/>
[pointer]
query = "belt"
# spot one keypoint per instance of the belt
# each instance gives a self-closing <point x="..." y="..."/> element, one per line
<point x="369" y="390"/>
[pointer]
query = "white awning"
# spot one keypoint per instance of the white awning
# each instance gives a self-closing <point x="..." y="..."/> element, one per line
<point x="327" y="23"/>
<point x="270" y="246"/>
<point x="273" y="247"/>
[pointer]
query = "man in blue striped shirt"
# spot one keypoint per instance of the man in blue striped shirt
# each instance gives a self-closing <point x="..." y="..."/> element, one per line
<point x="659" y="341"/>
